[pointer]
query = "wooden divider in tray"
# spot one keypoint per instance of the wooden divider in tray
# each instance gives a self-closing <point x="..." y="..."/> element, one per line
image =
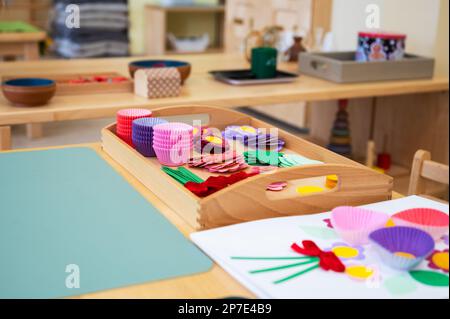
<point x="249" y="200"/>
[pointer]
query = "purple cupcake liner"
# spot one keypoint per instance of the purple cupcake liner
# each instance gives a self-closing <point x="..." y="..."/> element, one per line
<point x="393" y="243"/>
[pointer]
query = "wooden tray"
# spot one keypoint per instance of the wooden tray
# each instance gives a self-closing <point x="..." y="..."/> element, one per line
<point x="65" y="88"/>
<point x="341" y="67"/>
<point x="249" y="200"/>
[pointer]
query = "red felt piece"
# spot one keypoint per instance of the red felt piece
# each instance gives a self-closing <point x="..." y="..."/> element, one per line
<point x="327" y="259"/>
<point x="216" y="183"/>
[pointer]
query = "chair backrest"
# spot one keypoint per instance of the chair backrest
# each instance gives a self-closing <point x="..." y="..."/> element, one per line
<point x="424" y="169"/>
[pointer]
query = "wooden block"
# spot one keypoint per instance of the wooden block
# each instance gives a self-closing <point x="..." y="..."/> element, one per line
<point x="157" y="83"/>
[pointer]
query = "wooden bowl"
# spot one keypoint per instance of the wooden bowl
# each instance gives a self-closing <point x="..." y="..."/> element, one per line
<point x="183" y="67"/>
<point x="29" y="91"/>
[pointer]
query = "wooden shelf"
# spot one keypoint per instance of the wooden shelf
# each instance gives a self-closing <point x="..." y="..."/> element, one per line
<point x="209" y="50"/>
<point x="161" y="20"/>
<point x="193" y="8"/>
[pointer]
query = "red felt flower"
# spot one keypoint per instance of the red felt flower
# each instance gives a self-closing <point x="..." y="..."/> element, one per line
<point x="327" y="259"/>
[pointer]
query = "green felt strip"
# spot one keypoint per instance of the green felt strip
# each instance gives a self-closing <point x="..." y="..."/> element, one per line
<point x="177" y="177"/>
<point x="284" y="266"/>
<point x="194" y="177"/>
<point x="297" y="274"/>
<point x="271" y="258"/>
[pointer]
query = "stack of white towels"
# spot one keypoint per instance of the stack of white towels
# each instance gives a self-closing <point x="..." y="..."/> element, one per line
<point x="103" y="28"/>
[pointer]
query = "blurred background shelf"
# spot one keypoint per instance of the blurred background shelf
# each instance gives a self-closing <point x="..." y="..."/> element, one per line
<point x="183" y="21"/>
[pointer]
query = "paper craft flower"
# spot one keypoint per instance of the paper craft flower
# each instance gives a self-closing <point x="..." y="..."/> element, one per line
<point x="311" y="256"/>
<point x="439" y="260"/>
<point x="347" y="252"/>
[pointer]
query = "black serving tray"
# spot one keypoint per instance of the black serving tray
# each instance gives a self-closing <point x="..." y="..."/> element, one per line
<point x="245" y="77"/>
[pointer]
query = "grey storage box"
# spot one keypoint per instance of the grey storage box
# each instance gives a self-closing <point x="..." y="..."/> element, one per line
<point x="341" y="67"/>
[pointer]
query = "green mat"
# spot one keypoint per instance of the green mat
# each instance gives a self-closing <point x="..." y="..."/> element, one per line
<point x="69" y="207"/>
<point x="16" y="26"/>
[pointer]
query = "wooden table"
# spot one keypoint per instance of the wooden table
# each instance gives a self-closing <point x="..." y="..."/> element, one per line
<point x="199" y="89"/>
<point x="210" y="285"/>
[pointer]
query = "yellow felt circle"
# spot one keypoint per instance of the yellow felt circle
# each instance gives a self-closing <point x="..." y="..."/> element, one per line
<point x="345" y="252"/>
<point x="441" y="260"/>
<point x="214" y="139"/>
<point x="195" y="131"/>
<point x="390" y="223"/>
<point x="248" y="129"/>
<point x="378" y="170"/>
<point x="306" y="190"/>
<point x="405" y="255"/>
<point x="359" y="272"/>
<point x="332" y="178"/>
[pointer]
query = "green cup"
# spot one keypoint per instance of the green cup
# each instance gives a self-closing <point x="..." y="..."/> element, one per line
<point x="264" y="62"/>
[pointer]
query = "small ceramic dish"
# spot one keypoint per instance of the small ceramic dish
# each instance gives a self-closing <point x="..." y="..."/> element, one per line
<point x="183" y="67"/>
<point x="29" y="91"/>
<point x="402" y="248"/>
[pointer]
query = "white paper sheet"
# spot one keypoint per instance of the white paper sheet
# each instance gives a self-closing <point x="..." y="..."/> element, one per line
<point x="273" y="237"/>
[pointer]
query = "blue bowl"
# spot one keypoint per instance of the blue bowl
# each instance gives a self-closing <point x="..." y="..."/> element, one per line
<point x="183" y="67"/>
<point x="29" y="91"/>
<point x="30" y="82"/>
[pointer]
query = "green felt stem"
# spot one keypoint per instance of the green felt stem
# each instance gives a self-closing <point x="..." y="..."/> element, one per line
<point x="272" y="258"/>
<point x="284" y="267"/>
<point x="296" y="274"/>
<point x="175" y="176"/>
<point x="194" y="177"/>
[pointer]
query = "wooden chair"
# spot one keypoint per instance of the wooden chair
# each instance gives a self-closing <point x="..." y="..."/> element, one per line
<point x="423" y="170"/>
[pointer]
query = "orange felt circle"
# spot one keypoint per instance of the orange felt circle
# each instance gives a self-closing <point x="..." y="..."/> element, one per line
<point x="441" y="260"/>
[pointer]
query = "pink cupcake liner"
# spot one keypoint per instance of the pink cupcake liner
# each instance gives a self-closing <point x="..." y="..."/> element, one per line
<point x="432" y="221"/>
<point x="172" y="141"/>
<point x="172" y="158"/>
<point x="168" y="128"/>
<point x="172" y="147"/>
<point x="354" y="224"/>
<point x="127" y="114"/>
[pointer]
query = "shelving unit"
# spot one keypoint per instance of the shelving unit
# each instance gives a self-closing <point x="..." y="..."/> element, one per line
<point x="35" y="12"/>
<point x="160" y="20"/>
